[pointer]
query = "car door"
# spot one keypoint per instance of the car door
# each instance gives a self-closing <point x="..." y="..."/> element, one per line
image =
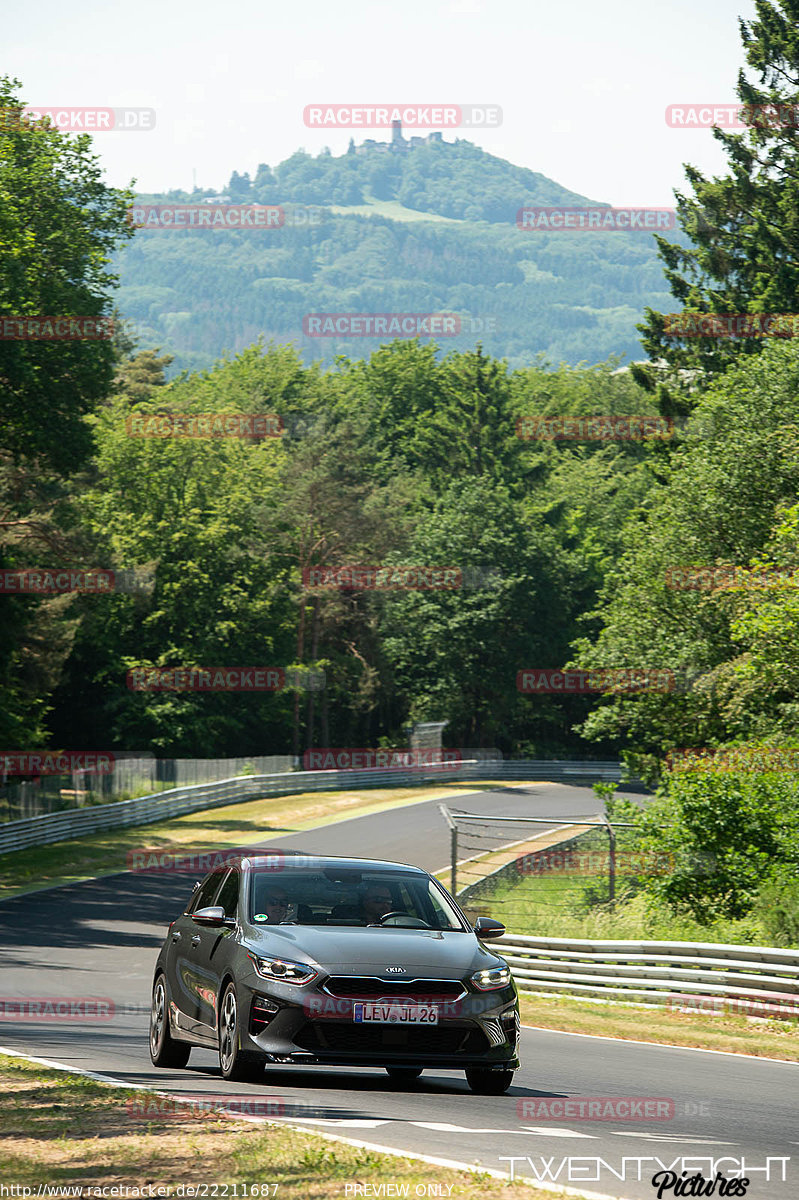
<point x="210" y="950"/>
<point x="183" y="976"/>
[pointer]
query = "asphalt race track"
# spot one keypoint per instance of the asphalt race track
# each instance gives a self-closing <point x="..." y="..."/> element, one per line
<point x="100" y="939"/>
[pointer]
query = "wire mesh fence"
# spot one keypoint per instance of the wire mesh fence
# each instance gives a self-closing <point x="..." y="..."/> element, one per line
<point x="130" y="777"/>
<point x="537" y="874"/>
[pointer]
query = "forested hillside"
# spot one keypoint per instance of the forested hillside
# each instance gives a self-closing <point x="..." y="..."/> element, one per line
<point x="430" y="229"/>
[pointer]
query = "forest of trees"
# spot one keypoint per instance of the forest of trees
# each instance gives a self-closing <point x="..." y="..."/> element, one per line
<point x="409" y="454"/>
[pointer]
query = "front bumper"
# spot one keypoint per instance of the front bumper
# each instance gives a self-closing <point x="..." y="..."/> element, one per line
<point x="479" y="1030"/>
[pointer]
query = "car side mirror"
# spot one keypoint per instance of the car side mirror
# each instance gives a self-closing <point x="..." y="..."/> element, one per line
<point x="486" y="928"/>
<point x="214" y="917"/>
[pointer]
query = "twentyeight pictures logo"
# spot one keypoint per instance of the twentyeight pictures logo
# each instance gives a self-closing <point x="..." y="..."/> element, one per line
<point x="412" y="116"/>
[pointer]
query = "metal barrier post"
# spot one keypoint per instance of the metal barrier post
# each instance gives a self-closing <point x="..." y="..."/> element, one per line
<point x="453" y="849"/>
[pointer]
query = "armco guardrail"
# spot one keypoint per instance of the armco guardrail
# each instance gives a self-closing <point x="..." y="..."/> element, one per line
<point x="757" y="977"/>
<point x="60" y="827"/>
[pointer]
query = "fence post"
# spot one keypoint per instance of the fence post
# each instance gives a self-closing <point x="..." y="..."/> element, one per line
<point x="453" y="850"/>
<point x="612" y="861"/>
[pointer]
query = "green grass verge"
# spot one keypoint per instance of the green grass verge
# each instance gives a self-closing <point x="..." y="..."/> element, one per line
<point x="556" y="904"/>
<point x="67" y="1131"/>
<point x="757" y="1036"/>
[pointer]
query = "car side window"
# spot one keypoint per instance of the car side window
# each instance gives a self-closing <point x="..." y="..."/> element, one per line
<point x="229" y="893"/>
<point x="205" y="894"/>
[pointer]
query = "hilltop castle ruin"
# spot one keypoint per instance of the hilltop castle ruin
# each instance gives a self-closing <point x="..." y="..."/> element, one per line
<point x="398" y="143"/>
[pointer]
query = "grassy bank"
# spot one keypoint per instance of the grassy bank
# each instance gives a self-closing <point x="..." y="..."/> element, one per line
<point x="758" y="1036"/>
<point x="66" y="1131"/>
<point x="573" y="902"/>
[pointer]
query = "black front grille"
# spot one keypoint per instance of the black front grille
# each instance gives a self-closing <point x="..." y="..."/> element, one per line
<point x="348" y="1038"/>
<point x="357" y="987"/>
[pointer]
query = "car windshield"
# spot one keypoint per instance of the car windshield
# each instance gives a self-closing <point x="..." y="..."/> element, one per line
<point x="350" y="898"/>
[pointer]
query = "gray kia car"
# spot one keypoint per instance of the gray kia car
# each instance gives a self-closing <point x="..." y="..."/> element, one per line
<point x="283" y="958"/>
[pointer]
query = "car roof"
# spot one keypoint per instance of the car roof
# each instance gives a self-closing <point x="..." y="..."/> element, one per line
<point x="321" y="861"/>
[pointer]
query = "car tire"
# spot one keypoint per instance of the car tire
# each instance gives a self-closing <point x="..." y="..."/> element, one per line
<point x="234" y="1062"/>
<point x="489" y="1083"/>
<point x="403" y="1076"/>
<point x="164" y="1050"/>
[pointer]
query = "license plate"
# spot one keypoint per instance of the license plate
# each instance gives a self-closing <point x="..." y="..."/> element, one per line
<point x="396" y="1014"/>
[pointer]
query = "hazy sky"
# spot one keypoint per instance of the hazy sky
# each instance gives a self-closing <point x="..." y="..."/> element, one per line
<point x="583" y="84"/>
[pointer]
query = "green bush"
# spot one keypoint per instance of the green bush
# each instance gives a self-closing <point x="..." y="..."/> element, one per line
<point x="777" y="907"/>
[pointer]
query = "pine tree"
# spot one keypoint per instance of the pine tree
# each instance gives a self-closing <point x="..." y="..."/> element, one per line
<point x="744" y="226"/>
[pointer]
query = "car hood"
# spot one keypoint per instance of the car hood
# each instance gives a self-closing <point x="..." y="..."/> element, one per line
<point x="352" y="951"/>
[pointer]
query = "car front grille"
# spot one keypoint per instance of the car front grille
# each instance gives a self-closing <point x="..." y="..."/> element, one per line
<point x="367" y="987"/>
<point x="347" y="1038"/>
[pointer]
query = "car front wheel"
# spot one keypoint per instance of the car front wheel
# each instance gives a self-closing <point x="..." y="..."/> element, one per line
<point x="164" y="1050"/>
<point x="489" y="1083"/>
<point x="234" y="1062"/>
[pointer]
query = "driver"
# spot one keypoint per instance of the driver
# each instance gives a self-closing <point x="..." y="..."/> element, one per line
<point x="276" y="905"/>
<point x="375" y="903"/>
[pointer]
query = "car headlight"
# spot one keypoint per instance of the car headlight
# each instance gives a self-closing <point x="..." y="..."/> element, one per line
<point x="282" y="970"/>
<point x="491" y="979"/>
